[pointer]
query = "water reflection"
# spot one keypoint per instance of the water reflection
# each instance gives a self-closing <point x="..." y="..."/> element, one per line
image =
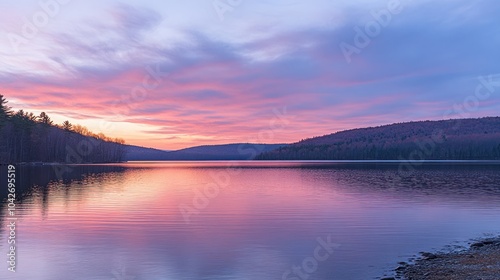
<point x="112" y="221"/>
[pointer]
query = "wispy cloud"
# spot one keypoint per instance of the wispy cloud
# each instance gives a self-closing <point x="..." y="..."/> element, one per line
<point x="224" y="79"/>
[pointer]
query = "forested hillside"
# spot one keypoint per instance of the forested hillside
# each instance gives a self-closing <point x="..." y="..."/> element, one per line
<point x="459" y="139"/>
<point x="238" y="151"/>
<point x="25" y="137"/>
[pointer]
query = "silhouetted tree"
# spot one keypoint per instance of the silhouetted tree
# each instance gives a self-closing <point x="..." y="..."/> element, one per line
<point x="5" y="111"/>
<point x="44" y="119"/>
<point x="25" y="137"/>
<point x="66" y="125"/>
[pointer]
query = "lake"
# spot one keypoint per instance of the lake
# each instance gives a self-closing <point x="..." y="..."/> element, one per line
<point x="242" y="220"/>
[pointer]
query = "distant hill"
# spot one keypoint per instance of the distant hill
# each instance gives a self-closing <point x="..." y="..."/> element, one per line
<point x="238" y="151"/>
<point x="143" y="153"/>
<point x="458" y="139"/>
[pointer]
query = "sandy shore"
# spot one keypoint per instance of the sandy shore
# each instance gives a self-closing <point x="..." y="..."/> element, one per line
<point x="480" y="262"/>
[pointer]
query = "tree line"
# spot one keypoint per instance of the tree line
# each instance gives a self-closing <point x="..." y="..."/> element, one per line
<point x="26" y="137"/>
<point x="459" y="139"/>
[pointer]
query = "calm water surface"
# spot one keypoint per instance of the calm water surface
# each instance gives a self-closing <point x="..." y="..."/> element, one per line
<point x="254" y="221"/>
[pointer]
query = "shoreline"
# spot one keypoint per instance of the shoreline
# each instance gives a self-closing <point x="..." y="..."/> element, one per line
<point x="480" y="261"/>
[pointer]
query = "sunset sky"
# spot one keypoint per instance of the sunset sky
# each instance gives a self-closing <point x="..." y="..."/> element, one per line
<point x="173" y="74"/>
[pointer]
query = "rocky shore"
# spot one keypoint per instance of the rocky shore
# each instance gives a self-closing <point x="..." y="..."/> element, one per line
<point x="481" y="261"/>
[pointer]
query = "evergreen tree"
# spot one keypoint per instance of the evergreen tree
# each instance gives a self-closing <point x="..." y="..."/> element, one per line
<point x="5" y="111"/>
<point x="44" y="119"/>
<point x="67" y="126"/>
<point x="25" y="137"/>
